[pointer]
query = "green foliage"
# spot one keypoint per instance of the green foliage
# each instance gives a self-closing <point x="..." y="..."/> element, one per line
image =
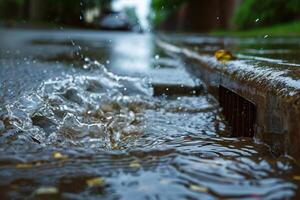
<point x="286" y="29"/>
<point x="10" y="9"/>
<point x="163" y="8"/>
<point x="54" y="11"/>
<point x="66" y="11"/>
<point x="258" y="13"/>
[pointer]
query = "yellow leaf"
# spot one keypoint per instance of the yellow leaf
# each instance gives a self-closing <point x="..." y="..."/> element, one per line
<point x="223" y="55"/>
<point x="24" y="166"/>
<point x="58" y="155"/>
<point x="95" y="182"/>
<point x="297" y="178"/>
<point x="135" y="164"/>
<point x="198" y="188"/>
<point x="46" y="191"/>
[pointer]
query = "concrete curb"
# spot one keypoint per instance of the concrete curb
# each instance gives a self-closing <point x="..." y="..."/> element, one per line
<point x="276" y="97"/>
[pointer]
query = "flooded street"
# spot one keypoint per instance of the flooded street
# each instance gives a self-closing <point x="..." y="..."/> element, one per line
<point x="79" y="119"/>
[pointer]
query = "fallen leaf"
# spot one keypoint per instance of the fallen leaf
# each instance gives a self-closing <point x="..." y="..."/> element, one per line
<point x="223" y="56"/>
<point x="58" y="155"/>
<point x="135" y="164"/>
<point x="24" y="166"/>
<point x="46" y="191"/>
<point x="95" y="182"/>
<point x="198" y="188"/>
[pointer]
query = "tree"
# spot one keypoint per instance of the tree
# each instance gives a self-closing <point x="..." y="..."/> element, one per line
<point x="163" y="8"/>
<point x="10" y="9"/>
<point x="255" y="13"/>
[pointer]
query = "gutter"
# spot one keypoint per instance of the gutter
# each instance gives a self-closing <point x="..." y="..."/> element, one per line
<point x="275" y="95"/>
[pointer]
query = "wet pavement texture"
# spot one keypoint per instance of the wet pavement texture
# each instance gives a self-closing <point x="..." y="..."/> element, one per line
<point x="270" y="62"/>
<point x="79" y="120"/>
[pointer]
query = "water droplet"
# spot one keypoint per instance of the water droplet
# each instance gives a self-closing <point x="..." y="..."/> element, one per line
<point x="156" y="57"/>
<point x="85" y="66"/>
<point x="257" y="20"/>
<point x="266" y="36"/>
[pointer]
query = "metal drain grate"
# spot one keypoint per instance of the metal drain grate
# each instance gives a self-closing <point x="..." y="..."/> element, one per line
<point x="176" y="90"/>
<point x="238" y="111"/>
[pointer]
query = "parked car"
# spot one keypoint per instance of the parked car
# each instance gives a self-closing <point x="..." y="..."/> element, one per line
<point x="116" y="21"/>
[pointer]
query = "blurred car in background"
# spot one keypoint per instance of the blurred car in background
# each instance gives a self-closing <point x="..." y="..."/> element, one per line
<point x="117" y="21"/>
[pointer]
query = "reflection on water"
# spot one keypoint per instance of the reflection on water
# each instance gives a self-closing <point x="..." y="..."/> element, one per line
<point x="95" y="135"/>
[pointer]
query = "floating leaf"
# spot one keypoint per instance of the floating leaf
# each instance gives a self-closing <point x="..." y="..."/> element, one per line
<point x="46" y="191"/>
<point x="58" y="155"/>
<point x="95" y="182"/>
<point x="135" y="164"/>
<point x="198" y="188"/>
<point x="24" y="166"/>
<point x="223" y="56"/>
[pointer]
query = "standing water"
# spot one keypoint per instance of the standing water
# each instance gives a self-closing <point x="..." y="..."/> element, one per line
<point x="72" y="128"/>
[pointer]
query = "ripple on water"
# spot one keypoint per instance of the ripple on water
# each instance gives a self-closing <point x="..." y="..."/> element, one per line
<point x="141" y="146"/>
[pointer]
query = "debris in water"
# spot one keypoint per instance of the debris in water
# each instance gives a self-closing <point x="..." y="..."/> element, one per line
<point x="24" y="166"/>
<point x="297" y="178"/>
<point x="46" y="191"/>
<point x="93" y="182"/>
<point x="198" y="188"/>
<point x="58" y="155"/>
<point x="135" y="164"/>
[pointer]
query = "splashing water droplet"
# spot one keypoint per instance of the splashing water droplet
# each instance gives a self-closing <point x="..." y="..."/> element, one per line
<point x="257" y="20"/>
<point x="156" y="57"/>
<point x="266" y="36"/>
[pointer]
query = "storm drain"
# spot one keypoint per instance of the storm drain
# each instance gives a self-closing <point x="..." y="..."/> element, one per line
<point x="176" y="90"/>
<point x="238" y="111"/>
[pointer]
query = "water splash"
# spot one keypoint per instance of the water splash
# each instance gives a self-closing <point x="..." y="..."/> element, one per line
<point x="82" y="110"/>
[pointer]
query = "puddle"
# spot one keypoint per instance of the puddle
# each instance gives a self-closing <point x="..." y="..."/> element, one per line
<point x="111" y="127"/>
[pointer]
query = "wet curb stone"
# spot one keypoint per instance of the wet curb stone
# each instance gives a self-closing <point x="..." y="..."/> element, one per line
<point x="275" y="95"/>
